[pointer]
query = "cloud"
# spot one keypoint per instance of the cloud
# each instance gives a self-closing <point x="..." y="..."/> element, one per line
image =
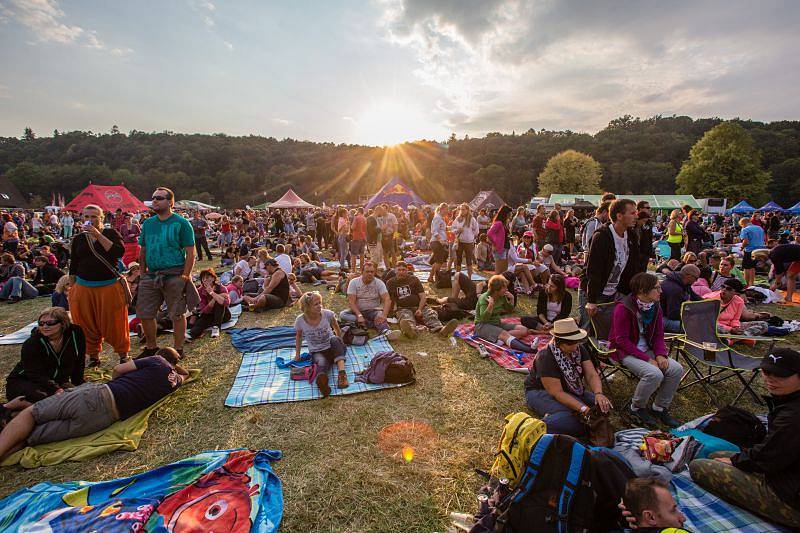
<point x="350" y="119"/>
<point x="121" y="51"/>
<point x="46" y="19"/>
<point x="209" y="21"/>
<point x="78" y="106"/>
<point x="5" y="92"/>
<point x="228" y="45"/>
<point x="282" y="121"/>
<point x="579" y="64"/>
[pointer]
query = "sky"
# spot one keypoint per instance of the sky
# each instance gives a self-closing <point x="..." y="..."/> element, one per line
<point x="379" y="72"/>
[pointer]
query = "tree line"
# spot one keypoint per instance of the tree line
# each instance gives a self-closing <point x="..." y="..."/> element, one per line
<point x="641" y="156"/>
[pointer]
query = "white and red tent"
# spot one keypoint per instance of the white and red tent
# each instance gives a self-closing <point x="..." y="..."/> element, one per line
<point x="109" y="197"/>
<point x="290" y="200"/>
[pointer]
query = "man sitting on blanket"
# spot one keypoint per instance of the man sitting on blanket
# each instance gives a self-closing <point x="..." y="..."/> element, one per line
<point x="91" y="407"/>
<point x="765" y="479"/>
<point x="368" y="300"/>
<point x="408" y="296"/>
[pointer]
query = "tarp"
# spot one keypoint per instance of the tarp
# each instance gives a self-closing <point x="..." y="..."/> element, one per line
<point x="657" y="201"/>
<point x="486" y="200"/>
<point x="291" y="201"/>
<point x="261" y="206"/>
<point x="771" y="206"/>
<point x="742" y="208"/>
<point x="109" y="197"/>
<point x="10" y="195"/>
<point x="795" y="209"/>
<point x="194" y="204"/>
<point x="395" y="192"/>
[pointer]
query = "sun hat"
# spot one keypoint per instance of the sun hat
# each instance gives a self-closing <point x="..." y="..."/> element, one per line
<point x="548" y="247"/>
<point x="567" y="329"/>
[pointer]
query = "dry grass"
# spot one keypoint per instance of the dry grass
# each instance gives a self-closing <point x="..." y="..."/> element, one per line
<point x="339" y="472"/>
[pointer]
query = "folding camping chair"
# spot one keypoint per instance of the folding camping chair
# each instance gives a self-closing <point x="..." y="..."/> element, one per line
<point x="708" y="357"/>
<point x="599" y="329"/>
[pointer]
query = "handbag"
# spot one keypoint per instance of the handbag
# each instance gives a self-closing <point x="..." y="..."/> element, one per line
<point x="303" y="373"/>
<point x="598" y="424"/>
<point x="126" y="289"/>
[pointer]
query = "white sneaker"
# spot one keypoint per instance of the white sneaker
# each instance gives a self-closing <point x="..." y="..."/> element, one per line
<point x="214" y="332"/>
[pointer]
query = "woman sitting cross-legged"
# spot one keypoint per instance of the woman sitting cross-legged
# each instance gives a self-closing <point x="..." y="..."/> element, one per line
<point x="52" y="359"/>
<point x="557" y="385"/>
<point x="317" y="326"/>
<point x="637" y="334"/>
<point x="554" y="303"/>
<point x="213" y="309"/>
<point x="492" y="304"/>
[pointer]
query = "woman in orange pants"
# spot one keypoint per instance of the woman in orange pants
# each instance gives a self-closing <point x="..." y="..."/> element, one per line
<point x="97" y="300"/>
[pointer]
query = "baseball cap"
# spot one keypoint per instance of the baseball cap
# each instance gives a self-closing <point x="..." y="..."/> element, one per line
<point x="528" y="233"/>
<point x="782" y="362"/>
<point x="548" y="247"/>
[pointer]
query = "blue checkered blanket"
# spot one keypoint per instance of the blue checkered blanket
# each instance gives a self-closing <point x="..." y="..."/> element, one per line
<point x="260" y="380"/>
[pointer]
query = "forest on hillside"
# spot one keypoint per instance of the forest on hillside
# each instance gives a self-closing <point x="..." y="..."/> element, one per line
<point x="640" y="156"/>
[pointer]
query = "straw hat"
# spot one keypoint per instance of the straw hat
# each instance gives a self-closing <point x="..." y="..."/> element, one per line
<point x="567" y="329"/>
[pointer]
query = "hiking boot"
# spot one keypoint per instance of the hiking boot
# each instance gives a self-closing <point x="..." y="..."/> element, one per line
<point x="341" y="382"/>
<point x="448" y="329"/>
<point x="147" y="352"/>
<point x="214" y="332"/>
<point x="643" y="416"/>
<point x="665" y="418"/>
<point x="93" y="363"/>
<point x="322" y="384"/>
<point x="408" y="329"/>
<point x="393" y="335"/>
<point x="13" y="300"/>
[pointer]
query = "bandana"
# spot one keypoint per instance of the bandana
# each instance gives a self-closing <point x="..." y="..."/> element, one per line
<point x="571" y="369"/>
<point x="647" y="311"/>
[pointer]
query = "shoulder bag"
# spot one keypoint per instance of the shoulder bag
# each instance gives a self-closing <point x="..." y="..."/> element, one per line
<point x="126" y="289"/>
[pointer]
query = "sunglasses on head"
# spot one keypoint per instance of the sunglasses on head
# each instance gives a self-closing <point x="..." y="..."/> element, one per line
<point x="50" y="323"/>
<point x="159" y="198"/>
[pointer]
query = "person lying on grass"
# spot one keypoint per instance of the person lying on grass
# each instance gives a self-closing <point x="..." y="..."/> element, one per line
<point x="317" y="326"/>
<point x="91" y="407"/>
<point x="492" y="304"/>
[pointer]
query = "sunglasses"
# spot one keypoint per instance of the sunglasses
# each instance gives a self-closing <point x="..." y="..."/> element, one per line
<point x="50" y="323"/>
<point x="159" y="198"/>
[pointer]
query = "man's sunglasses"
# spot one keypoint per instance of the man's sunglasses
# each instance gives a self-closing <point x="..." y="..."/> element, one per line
<point x="159" y="198"/>
<point x="51" y="323"/>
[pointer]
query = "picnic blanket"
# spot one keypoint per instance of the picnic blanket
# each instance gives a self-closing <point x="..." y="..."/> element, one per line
<point x="252" y="340"/>
<point x="223" y="490"/>
<point x="502" y="354"/>
<point x="795" y="298"/>
<point x="122" y="435"/>
<point x="424" y="275"/>
<point x="260" y="380"/>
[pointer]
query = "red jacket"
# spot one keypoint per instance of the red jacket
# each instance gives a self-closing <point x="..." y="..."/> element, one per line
<point x="624" y="335"/>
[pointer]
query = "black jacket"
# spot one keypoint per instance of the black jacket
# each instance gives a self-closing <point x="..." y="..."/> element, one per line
<point x="40" y="364"/>
<point x="645" y="235"/>
<point x="778" y="455"/>
<point x="48" y="274"/>
<point x="566" y="305"/>
<point x="600" y="262"/>
<point x="673" y="294"/>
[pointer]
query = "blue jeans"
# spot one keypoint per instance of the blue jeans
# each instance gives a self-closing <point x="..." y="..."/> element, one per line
<point x="344" y="249"/>
<point x="17" y="287"/>
<point x="672" y="326"/>
<point x="558" y="417"/>
<point x="369" y="319"/>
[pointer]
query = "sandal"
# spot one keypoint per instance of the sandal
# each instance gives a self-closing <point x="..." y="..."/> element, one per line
<point x="342" y="382"/>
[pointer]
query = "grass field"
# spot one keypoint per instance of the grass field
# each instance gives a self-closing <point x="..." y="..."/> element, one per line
<point x="337" y="474"/>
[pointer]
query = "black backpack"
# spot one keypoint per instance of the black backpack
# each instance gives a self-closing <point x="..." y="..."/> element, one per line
<point x="444" y="279"/>
<point x="354" y="335"/>
<point x="556" y="493"/>
<point x="737" y="426"/>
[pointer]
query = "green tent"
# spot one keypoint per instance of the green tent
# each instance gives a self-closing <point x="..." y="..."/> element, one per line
<point x="194" y="204"/>
<point x="261" y="206"/>
<point x="657" y="201"/>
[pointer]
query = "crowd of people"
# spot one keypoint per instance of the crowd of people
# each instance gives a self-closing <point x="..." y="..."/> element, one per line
<point x="103" y="268"/>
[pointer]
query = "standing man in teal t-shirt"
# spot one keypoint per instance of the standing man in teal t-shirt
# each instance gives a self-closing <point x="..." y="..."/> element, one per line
<point x="166" y="260"/>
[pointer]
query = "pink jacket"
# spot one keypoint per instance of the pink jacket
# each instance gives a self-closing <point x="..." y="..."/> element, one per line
<point x="729" y="315"/>
<point x="701" y="288"/>
<point x="624" y="335"/>
<point x="497" y="236"/>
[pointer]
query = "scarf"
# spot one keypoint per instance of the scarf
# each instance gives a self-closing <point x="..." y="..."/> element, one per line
<point x="647" y="311"/>
<point x="571" y="369"/>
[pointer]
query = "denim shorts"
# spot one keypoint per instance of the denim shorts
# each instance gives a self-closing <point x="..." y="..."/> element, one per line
<point x="500" y="256"/>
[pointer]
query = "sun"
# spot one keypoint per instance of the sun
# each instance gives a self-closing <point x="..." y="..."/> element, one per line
<point x="391" y="122"/>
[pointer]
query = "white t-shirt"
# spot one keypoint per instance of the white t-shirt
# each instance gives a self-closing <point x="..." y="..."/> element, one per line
<point x="243" y="269"/>
<point x="368" y="296"/>
<point x="285" y="262"/>
<point x="622" y="252"/>
<point x="318" y="338"/>
<point x="438" y="229"/>
<point x="553" y="308"/>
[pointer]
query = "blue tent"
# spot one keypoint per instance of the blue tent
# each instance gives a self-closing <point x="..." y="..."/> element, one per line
<point x="795" y="209"/>
<point x="772" y="206"/>
<point x="742" y="208"/>
<point x="395" y="192"/>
